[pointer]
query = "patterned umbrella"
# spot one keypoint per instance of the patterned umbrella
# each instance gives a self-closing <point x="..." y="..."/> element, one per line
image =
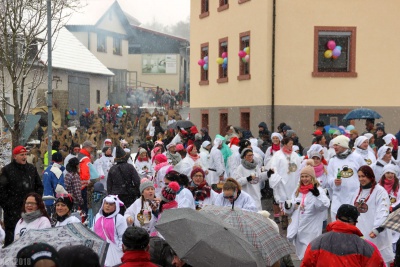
<point x="59" y="237"/>
<point x="256" y="229"/>
<point x="393" y="221"/>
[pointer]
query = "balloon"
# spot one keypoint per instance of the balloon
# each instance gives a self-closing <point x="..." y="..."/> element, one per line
<point x="226" y="60"/>
<point x="328" y="54"/>
<point x="220" y="60"/>
<point x="119" y="115"/>
<point x="336" y="52"/>
<point x="201" y="62"/>
<point x="224" y="66"/>
<point x="334" y="57"/>
<point x="87" y="110"/>
<point x="244" y="59"/>
<point x="247" y="50"/>
<point x="205" y="67"/>
<point x="205" y="59"/>
<point x="247" y="58"/>
<point x="331" y="45"/>
<point x="242" y="54"/>
<point x="124" y="111"/>
<point x="104" y="109"/>
<point x="338" y="47"/>
<point x="224" y="55"/>
<point x="107" y="103"/>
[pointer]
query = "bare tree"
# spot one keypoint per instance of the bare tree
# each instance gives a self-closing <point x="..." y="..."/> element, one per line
<point x="23" y="36"/>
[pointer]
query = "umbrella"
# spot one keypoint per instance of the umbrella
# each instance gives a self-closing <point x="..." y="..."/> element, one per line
<point x="256" y="229"/>
<point x="331" y="129"/>
<point x="59" y="237"/>
<point x="362" y="113"/>
<point x="180" y="124"/>
<point x="203" y="240"/>
<point x="393" y="221"/>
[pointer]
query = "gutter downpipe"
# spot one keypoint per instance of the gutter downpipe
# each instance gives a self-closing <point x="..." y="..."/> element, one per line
<point x="273" y="67"/>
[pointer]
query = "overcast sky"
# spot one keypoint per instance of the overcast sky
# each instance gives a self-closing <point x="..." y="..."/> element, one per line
<point x="164" y="11"/>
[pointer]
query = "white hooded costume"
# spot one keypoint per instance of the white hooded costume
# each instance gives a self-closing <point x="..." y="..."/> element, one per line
<point x="366" y="154"/>
<point x="216" y="165"/>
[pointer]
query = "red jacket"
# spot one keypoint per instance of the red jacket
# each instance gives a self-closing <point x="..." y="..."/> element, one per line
<point x="341" y="247"/>
<point x="84" y="172"/>
<point x="138" y="258"/>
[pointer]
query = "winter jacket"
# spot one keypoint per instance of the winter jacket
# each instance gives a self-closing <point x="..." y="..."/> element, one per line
<point x="84" y="172"/>
<point x="136" y="258"/>
<point x="342" y="246"/>
<point x="22" y="226"/>
<point x="73" y="186"/>
<point x="120" y="176"/>
<point x="243" y="201"/>
<point x="70" y="219"/>
<point x="53" y="175"/>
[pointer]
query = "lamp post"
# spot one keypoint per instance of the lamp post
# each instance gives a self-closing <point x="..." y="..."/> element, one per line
<point x="49" y="83"/>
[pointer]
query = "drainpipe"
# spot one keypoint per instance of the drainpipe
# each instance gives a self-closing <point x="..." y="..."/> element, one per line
<point x="273" y="68"/>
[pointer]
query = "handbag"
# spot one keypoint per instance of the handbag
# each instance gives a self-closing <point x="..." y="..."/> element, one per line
<point x="93" y="172"/>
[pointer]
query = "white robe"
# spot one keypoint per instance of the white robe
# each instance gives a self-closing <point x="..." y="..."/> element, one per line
<point x="22" y="226"/>
<point x="70" y="219"/>
<point x="378" y="210"/>
<point x="103" y="166"/>
<point x="394" y="234"/>
<point x="254" y="190"/>
<point x="281" y="181"/>
<point x="244" y="201"/>
<point x="342" y="194"/>
<point x="205" y="157"/>
<point x="217" y="164"/>
<point x="186" y="165"/>
<point x="368" y="156"/>
<point x="306" y="224"/>
<point x="267" y="158"/>
<point x="185" y="199"/>
<point x="144" y="168"/>
<point x="134" y="210"/>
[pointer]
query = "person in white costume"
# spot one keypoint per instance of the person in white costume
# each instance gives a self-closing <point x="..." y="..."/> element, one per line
<point x="192" y="160"/>
<point x="308" y="208"/>
<point x="64" y="205"/>
<point x="143" y="164"/>
<point x="205" y="154"/>
<point x="361" y="146"/>
<point x="342" y="173"/>
<point x="184" y="197"/>
<point x="216" y="164"/>
<point x="384" y="158"/>
<point x="372" y="201"/>
<point x="110" y="226"/>
<point x="104" y="164"/>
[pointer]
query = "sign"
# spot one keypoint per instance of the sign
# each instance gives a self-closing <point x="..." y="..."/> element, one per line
<point x="159" y="64"/>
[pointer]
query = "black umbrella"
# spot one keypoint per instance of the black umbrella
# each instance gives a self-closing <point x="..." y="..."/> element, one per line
<point x="362" y="113"/>
<point x="180" y="124"/>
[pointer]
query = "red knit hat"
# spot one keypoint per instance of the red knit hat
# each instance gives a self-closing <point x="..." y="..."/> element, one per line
<point x="179" y="147"/>
<point x="160" y="158"/>
<point x="234" y="141"/>
<point x="189" y="149"/>
<point x="196" y="170"/>
<point x="19" y="149"/>
<point x="168" y="193"/>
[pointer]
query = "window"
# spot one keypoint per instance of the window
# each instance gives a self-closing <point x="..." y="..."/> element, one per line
<point x="334" y="52"/>
<point x="98" y="96"/>
<point x="332" y="117"/>
<point x="204" y="119"/>
<point x="205" y="12"/>
<point x="116" y="46"/>
<point x="244" y="63"/>
<point x="223" y="68"/>
<point x="204" y="68"/>
<point x="223" y="5"/>
<point x="245" y="118"/>
<point x="101" y="43"/>
<point x="223" y="120"/>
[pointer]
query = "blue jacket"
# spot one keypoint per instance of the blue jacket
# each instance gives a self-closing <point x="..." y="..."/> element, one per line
<point x="52" y="176"/>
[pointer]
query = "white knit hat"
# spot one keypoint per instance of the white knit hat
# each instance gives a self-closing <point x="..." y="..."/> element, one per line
<point x="341" y="140"/>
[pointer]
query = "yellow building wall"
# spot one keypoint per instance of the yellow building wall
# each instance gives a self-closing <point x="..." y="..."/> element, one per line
<point x="111" y="22"/>
<point x="254" y="16"/>
<point x="377" y="53"/>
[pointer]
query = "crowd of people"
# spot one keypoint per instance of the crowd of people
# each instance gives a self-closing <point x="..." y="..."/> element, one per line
<point x="340" y="182"/>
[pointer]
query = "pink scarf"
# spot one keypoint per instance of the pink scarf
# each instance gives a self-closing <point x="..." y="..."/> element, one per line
<point x="286" y="151"/>
<point x="105" y="226"/>
<point x="194" y="158"/>
<point x="319" y="170"/>
<point x="388" y="185"/>
<point x="170" y="205"/>
<point x="276" y="147"/>
<point x="160" y="165"/>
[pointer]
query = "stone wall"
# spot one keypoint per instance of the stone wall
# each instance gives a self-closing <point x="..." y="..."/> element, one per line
<point x="60" y="101"/>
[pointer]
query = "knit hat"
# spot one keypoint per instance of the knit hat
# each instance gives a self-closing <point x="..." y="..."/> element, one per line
<point x="79" y="256"/>
<point x="135" y="238"/>
<point x="88" y="143"/>
<point x="120" y="155"/>
<point x="388" y="138"/>
<point x="347" y="213"/>
<point x="341" y="140"/>
<point x="145" y="183"/>
<point x="368" y="135"/>
<point x="168" y="193"/>
<point x="206" y="143"/>
<point x="189" y="148"/>
<point x="19" y="149"/>
<point x="171" y="145"/>
<point x="234" y="141"/>
<point x="57" y="157"/>
<point x="360" y="140"/>
<point x="99" y="187"/>
<point x="67" y="200"/>
<point x="391" y="168"/>
<point x="142" y="150"/>
<point x="382" y="151"/>
<point x="244" y="151"/>
<point x="108" y="140"/>
<point x="30" y="255"/>
<point x="277" y="135"/>
<point x="104" y="150"/>
<point x="289" y="133"/>
<point x="196" y="170"/>
<point x="309" y="170"/>
<point x="179" y="147"/>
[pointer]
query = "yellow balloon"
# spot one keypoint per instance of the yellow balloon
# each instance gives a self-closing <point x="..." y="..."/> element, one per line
<point x="220" y="60"/>
<point x="328" y="54"/>
<point x="247" y="50"/>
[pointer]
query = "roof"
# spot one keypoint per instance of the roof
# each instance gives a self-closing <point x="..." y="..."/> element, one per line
<point x="159" y="33"/>
<point x="70" y="54"/>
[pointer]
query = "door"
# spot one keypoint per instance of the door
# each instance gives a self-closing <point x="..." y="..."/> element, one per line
<point x="78" y="93"/>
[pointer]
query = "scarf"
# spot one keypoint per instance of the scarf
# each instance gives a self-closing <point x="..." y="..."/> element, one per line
<point x="142" y="159"/>
<point x="31" y="216"/>
<point x="201" y="191"/>
<point x="160" y="165"/>
<point x="62" y="218"/>
<point x="194" y="157"/>
<point x="170" y="205"/>
<point x="275" y="147"/>
<point x="363" y="152"/>
<point x="344" y="155"/>
<point x="175" y="158"/>
<point x="105" y="228"/>
<point x="249" y="165"/>
<point x="286" y="151"/>
<point x="319" y="170"/>
<point x="304" y="189"/>
<point x="388" y="185"/>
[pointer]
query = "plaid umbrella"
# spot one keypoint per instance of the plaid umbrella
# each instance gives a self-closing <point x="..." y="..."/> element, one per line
<point x="59" y="237"/>
<point x="256" y="229"/>
<point x="205" y="241"/>
<point x="393" y="221"/>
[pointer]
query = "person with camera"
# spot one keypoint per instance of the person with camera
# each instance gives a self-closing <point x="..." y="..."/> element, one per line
<point x="202" y="193"/>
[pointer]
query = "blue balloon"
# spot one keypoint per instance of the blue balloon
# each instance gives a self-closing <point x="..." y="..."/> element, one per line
<point x="338" y="47"/>
<point x="226" y="60"/>
<point x="107" y="103"/>
<point x="119" y="115"/>
<point x="87" y="110"/>
<point x="224" y="65"/>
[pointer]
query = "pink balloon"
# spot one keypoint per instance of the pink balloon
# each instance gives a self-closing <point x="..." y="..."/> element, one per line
<point x="331" y="45"/>
<point x="201" y="62"/>
<point x="242" y="54"/>
<point x="224" y="55"/>
<point x="247" y="58"/>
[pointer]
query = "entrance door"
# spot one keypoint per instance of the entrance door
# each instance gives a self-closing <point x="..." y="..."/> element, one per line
<point x="78" y="93"/>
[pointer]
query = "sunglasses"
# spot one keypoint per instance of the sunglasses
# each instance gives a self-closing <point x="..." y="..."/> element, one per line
<point x="229" y="197"/>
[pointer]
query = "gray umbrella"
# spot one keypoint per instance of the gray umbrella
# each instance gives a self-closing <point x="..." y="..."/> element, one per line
<point x="203" y="240"/>
<point x="180" y="124"/>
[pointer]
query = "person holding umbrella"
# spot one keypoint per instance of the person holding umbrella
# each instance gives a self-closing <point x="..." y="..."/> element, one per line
<point x="233" y="196"/>
<point x="308" y="207"/>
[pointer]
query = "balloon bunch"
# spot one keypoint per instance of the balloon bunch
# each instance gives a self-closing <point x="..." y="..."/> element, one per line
<point x="245" y="54"/>
<point x="71" y="112"/>
<point x="203" y="63"/>
<point x="334" y="51"/>
<point x="223" y="60"/>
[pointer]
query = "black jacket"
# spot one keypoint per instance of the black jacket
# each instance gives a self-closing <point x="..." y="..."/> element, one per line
<point x="123" y="180"/>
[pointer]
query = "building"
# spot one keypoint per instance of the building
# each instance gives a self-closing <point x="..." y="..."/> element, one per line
<point x="290" y="76"/>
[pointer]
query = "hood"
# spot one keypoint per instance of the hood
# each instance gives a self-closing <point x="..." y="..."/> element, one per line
<point x="112" y="199"/>
<point x="342" y="227"/>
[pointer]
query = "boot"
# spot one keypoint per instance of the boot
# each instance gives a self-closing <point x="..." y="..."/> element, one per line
<point x="285" y="222"/>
